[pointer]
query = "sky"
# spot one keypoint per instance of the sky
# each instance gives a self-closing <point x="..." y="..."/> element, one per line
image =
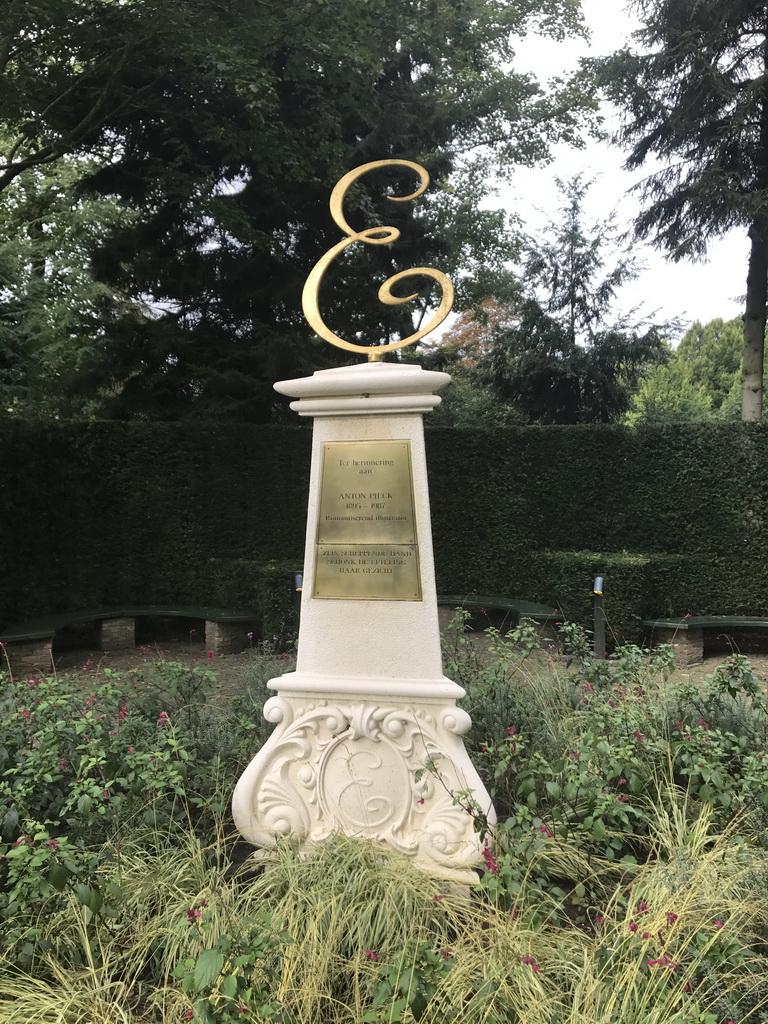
<point x="663" y="290"/>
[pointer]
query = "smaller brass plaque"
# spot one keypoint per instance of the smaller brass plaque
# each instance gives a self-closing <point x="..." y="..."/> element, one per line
<point x="367" y="572"/>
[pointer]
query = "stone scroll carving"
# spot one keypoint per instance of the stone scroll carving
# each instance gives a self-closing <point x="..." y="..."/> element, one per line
<point x="353" y="767"/>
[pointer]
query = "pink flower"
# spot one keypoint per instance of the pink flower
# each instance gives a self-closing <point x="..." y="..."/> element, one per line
<point x="638" y="736"/>
<point x="599" y="919"/>
<point x="52" y="844"/>
<point x="189" y="1015"/>
<point x="545" y="830"/>
<point x="621" y="782"/>
<point x="437" y="898"/>
<point x="531" y="963"/>
<point x="194" y="914"/>
<point x="371" y="955"/>
<point x="446" y="952"/>
<point x="162" y="718"/>
<point x="511" y="730"/>
<point x="643" y="908"/>
<point x="718" y="924"/>
<point x="646" y="935"/>
<point x="621" y="799"/>
<point x="26" y="713"/>
<point x="633" y="926"/>
<point x="122" y="714"/>
<point x="130" y="750"/>
<point x="491" y="864"/>
<point x="63" y="764"/>
<point x="211" y="654"/>
<point x="243" y="1009"/>
<point x="663" y="961"/>
<point x="671" y="918"/>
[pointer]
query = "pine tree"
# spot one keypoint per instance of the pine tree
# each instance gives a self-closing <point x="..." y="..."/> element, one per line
<point x="696" y="99"/>
<point x="564" y="357"/>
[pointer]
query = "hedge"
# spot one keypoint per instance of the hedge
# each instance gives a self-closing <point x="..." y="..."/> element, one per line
<point x="676" y="518"/>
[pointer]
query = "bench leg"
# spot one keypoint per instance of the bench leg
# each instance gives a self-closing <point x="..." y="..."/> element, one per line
<point x="27" y="656"/>
<point x="117" y="634"/>
<point x="688" y="645"/>
<point x="226" y="637"/>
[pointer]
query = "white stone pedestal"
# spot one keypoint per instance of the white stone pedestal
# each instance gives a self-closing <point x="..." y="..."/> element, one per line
<point x="368" y="705"/>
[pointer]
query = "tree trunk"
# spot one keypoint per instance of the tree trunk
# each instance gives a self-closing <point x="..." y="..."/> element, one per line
<point x="754" y="323"/>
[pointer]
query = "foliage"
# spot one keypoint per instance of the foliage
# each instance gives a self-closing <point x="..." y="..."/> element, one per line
<point x="668" y="394"/>
<point x="562" y="357"/>
<point x="164" y="925"/>
<point x="52" y="311"/>
<point x="700" y="381"/>
<point x="223" y="130"/>
<point x="670" y="515"/>
<point x="694" y="100"/>
<point x="713" y="353"/>
<point x="76" y="767"/>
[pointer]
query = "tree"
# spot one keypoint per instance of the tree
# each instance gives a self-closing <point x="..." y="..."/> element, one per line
<point x="223" y="127"/>
<point x="52" y="311"/>
<point x="713" y="351"/>
<point x="563" y="357"/>
<point x="702" y="379"/>
<point x="697" y="99"/>
<point x="668" y="394"/>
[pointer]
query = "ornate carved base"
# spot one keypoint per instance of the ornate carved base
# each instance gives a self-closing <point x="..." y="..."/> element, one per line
<point x="353" y="763"/>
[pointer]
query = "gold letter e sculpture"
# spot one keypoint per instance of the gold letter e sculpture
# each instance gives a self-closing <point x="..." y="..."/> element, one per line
<point x="373" y="236"/>
<point x="368" y="738"/>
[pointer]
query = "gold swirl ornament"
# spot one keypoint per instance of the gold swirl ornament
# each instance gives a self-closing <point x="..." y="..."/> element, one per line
<point x="373" y="236"/>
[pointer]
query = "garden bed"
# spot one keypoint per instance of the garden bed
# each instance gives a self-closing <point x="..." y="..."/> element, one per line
<point x="627" y="879"/>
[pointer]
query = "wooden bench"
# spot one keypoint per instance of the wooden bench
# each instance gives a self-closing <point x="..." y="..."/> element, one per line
<point x="686" y="634"/>
<point x="28" y="646"/>
<point x="547" y="618"/>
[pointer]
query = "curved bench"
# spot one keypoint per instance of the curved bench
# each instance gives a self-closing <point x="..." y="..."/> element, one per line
<point x="686" y="634"/>
<point x="28" y="646"/>
<point x="545" y="617"/>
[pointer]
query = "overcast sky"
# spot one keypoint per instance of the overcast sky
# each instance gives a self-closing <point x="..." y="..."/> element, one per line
<point x="691" y="291"/>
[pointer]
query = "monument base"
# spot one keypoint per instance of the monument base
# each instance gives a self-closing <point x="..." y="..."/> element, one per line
<point x="366" y="762"/>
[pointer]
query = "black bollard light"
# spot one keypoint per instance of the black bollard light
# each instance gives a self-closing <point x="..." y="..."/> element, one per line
<point x="599" y="614"/>
<point x="298" y="586"/>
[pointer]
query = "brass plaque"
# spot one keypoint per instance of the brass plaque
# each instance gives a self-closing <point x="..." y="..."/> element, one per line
<point x="367" y="572"/>
<point x="366" y="547"/>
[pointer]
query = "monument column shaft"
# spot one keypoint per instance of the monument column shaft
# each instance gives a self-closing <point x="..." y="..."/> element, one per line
<point x="341" y="637"/>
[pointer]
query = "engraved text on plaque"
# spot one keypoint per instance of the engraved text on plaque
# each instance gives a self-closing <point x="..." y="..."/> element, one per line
<point x="366" y="547"/>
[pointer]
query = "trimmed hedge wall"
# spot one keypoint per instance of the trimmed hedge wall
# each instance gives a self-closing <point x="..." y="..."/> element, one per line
<point x="676" y="518"/>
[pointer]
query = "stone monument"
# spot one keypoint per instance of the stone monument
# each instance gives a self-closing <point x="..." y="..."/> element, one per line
<point x="368" y="708"/>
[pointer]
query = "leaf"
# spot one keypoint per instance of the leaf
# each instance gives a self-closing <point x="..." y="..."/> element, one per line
<point x="58" y="876"/>
<point x="229" y="986"/>
<point x="207" y="968"/>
